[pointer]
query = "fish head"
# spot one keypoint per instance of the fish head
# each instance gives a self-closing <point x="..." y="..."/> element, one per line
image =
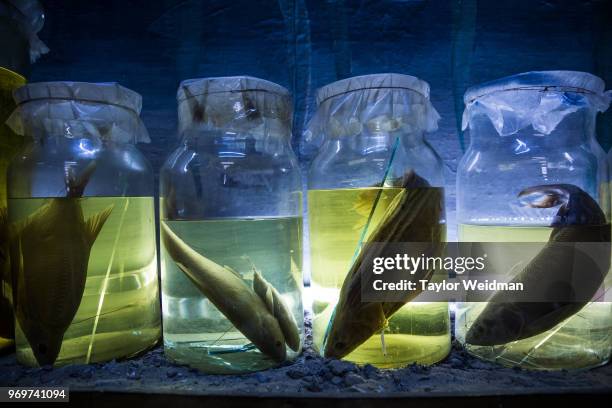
<point x="499" y="323"/>
<point x="349" y="330"/>
<point x="274" y="345"/>
<point x="576" y="206"/>
<point x="46" y="343"/>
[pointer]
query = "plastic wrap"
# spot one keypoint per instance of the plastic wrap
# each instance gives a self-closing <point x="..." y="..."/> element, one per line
<point x="383" y="101"/>
<point x="98" y="111"/>
<point x="537" y="99"/>
<point x="31" y="18"/>
<point x="239" y="104"/>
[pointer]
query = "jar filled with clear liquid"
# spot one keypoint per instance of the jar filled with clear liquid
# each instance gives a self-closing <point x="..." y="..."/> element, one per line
<point x="231" y="229"/>
<point x="370" y="133"/>
<point x="81" y="226"/>
<point x="534" y="173"/>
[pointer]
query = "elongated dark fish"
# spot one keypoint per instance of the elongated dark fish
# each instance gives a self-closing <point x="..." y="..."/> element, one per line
<point x="579" y="220"/>
<point x="413" y="216"/>
<point x="49" y="257"/>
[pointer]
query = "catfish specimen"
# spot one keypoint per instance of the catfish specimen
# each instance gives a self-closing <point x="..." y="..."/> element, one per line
<point x="49" y="252"/>
<point x="413" y="216"/>
<point x="259" y="313"/>
<point x="552" y="272"/>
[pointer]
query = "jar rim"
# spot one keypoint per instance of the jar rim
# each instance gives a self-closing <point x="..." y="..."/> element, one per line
<point x="111" y="93"/>
<point x="372" y="81"/>
<point x="561" y="81"/>
<point x="190" y="88"/>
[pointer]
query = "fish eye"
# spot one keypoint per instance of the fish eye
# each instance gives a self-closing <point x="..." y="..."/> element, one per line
<point x="42" y="348"/>
<point x="278" y="343"/>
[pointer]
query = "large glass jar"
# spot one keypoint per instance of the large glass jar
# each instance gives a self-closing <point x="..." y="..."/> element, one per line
<point x="82" y="230"/>
<point x="10" y="144"/>
<point x="534" y="173"/>
<point x="231" y="225"/>
<point x="371" y="135"/>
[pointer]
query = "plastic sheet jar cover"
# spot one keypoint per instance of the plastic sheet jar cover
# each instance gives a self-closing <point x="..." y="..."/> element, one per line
<point x="242" y="104"/>
<point x="386" y="101"/>
<point x="97" y="111"/>
<point x="537" y="99"/>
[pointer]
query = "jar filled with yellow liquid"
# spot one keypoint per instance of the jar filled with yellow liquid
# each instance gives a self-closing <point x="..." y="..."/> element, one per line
<point x="81" y="226"/>
<point x="10" y="144"/>
<point x="372" y="156"/>
<point x="231" y="229"/>
<point x="534" y="173"/>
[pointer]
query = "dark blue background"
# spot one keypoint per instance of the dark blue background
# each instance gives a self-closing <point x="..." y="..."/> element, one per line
<point x="150" y="46"/>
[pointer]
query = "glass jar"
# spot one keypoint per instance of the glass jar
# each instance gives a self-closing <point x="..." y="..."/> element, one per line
<point x="532" y="156"/>
<point x="371" y="135"/>
<point x="231" y="225"/>
<point x="10" y="144"/>
<point x="82" y="230"/>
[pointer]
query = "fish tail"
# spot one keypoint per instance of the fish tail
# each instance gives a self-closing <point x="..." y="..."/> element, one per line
<point x="75" y="185"/>
<point x="96" y="222"/>
<point x="278" y="308"/>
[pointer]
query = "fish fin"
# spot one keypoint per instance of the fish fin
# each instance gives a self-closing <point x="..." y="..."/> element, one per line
<point x="277" y="307"/>
<point x="364" y="201"/>
<point x="75" y="185"/>
<point x="262" y="289"/>
<point x="232" y="270"/>
<point x="96" y="222"/>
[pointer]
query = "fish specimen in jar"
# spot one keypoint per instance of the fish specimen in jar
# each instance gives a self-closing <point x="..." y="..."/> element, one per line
<point x="414" y="216"/>
<point x="49" y="252"/>
<point x="552" y="272"/>
<point x="258" y="312"/>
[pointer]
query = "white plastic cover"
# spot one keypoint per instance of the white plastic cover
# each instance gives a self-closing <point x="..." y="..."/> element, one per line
<point x="31" y="17"/>
<point x="240" y="104"/>
<point x="538" y="99"/>
<point x="388" y="102"/>
<point x="93" y="110"/>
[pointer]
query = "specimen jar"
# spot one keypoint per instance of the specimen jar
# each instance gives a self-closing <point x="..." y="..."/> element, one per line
<point x="10" y="144"/>
<point x="231" y="222"/>
<point x="82" y="231"/>
<point x="534" y="173"/>
<point x="370" y="131"/>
